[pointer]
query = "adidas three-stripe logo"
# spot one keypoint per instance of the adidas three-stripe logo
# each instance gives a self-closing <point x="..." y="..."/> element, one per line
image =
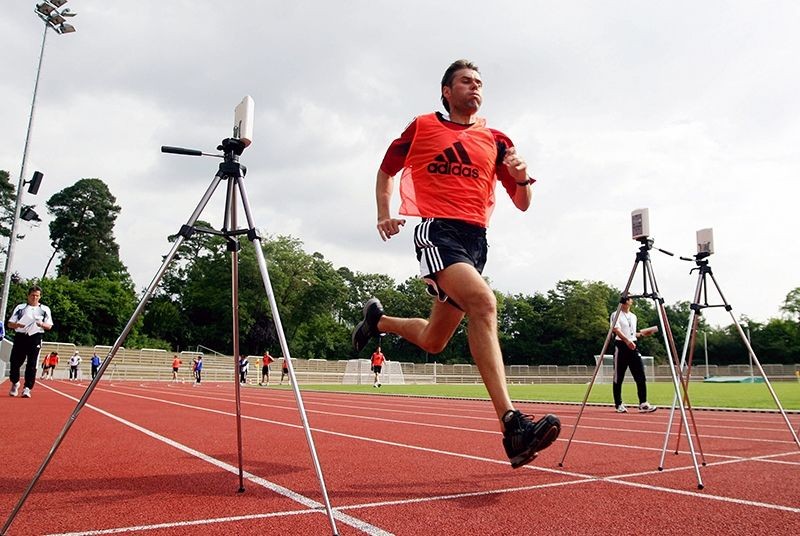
<point x="453" y="161"/>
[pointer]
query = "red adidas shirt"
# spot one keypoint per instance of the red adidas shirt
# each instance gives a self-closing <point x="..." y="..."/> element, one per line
<point x="396" y="159"/>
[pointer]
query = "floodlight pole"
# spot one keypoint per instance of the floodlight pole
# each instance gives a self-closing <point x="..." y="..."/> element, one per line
<point x="12" y="239"/>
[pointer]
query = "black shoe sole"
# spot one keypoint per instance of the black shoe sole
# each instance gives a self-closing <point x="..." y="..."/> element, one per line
<point x="547" y="439"/>
<point x="360" y="326"/>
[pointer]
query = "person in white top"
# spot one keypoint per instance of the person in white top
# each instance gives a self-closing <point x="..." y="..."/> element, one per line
<point x="29" y="320"/>
<point x="627" y="355"/>
<point x="74" y="363"/>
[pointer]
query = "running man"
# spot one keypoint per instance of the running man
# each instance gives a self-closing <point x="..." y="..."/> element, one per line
<point x="176" y="365"/>
<point x="377" y="365"/>
<point x="451" y="164"/>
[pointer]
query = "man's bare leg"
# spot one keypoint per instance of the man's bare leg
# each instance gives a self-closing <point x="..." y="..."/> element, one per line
<point x="465" y="285"/>
<point x="467" y="288"/>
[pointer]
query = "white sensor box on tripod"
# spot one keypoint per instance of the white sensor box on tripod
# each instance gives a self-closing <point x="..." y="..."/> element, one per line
<point x="640" y="223"/>
<point x="705" y="241"/>
<point x="243" y="120"/>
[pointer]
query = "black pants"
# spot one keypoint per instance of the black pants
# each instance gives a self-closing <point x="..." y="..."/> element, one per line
<point x="94" y="370"/>
<point x="25" y="347"/>
<point x="625" y="358"/>
<point x="73" y="372"/>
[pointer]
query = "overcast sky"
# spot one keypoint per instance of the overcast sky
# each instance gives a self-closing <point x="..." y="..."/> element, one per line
<point x="690" y="109"/>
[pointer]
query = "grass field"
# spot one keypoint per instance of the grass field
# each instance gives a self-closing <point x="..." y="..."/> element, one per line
<point x="716" y="395"/>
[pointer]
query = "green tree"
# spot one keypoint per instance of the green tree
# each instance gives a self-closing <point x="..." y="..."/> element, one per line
<point x="578" y="319"/>
<point x="7" y="201"/>
<point x="82" y="231"/>
<point x="791" y="305"/>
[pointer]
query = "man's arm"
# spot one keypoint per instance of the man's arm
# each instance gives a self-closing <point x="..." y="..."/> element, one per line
<point x="518" y="170"/>
<point x="387" y="226"/>
<point x="629" y="343"/>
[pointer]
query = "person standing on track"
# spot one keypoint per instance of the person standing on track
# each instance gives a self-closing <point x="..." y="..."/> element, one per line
<point x="197" y="369"/>
<point x="284" y="370"/>
<point x="29" y="320"/>
<point x="627" y="355"/>
<point x="377" y="365"/>
<point x="176" y="365"/>
<point x="74" y="362"/>
<point x="95" y="364"/>
<point x="265" y="362"/>
<point x="244" y="368"/>
<point x="451" y="164"/>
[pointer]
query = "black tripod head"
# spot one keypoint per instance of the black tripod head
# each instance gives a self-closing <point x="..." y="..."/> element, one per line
<point x="231" y="147"/>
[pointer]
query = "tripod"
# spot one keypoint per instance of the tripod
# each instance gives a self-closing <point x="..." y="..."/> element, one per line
<point x="701" y="290"/>
<point x="232" y="171"/>
<point x="648" y="278"/>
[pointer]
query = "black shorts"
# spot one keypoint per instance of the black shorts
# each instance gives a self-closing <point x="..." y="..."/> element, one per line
<point x="265" y="370"/>
<point x="440" y="243"/>
<point x="174" y="369"/>
<point x="377" y="368"/>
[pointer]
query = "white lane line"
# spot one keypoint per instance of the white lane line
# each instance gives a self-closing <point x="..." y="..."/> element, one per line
<point x="272" y="486"/>
<point x="460" y="428"/>
<point x="718" y="498"/>
<point x="585" y="477"/>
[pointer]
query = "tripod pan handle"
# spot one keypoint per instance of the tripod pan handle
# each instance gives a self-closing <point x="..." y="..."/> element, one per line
<point x="180" y="150"/>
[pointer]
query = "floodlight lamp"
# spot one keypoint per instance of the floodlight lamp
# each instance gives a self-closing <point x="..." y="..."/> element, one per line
<point x="28" y="214"/>
<point x="56" y="19"/>
<point x="57" y="3"/>
<point x="67" y="12"/>
<point x="65" y="28"/>
<point x="44" y="9"/>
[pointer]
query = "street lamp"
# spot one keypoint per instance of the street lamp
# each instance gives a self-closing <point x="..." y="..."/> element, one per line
<point x="54" y="18"/>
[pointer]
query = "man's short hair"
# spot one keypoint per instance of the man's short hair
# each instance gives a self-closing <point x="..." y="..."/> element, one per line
<point x="624" y="299"/>
<point x="34" y="288"/>
<point x="447" y="79"/>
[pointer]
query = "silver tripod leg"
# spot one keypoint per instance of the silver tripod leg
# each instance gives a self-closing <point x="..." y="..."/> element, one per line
<point x="230" y="225"/>
<point x="599" y="364"/>
<point x="669" y="344"/>
<point x="691" y="329"/>
<point x="262" y="265"/>
<point x="107" y="361"/>
<point x="756" y="360"/>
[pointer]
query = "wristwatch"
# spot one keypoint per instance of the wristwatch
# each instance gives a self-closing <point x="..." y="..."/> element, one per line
<point x="526" y="182"/>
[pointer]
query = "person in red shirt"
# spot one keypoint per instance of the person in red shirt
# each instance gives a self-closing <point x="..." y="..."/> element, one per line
<point x="176" y="365"/>
<point x="45" y="365"/>
<point x="284" y="370"/>
<point x="451" y="164"/>
<point x="377" y="365"/>
<point x="265" y="362"/>
<point x="51" y="365"/>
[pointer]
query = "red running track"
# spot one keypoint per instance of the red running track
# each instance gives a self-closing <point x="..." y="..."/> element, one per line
<point x="155" y="458"/>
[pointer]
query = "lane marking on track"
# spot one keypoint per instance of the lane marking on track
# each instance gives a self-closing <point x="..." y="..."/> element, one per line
<point x="272" y="486"/>
<point x="581" y="476"/>
<point x="718" y="498"/>
<point x="457" y="428"/>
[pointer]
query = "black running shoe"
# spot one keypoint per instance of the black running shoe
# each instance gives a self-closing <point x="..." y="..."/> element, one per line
<point x="524" y="438"/>
<point x="367" y="328"/>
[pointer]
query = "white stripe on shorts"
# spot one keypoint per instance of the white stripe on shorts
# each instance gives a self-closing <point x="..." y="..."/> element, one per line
<point x="430" y="261"/>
